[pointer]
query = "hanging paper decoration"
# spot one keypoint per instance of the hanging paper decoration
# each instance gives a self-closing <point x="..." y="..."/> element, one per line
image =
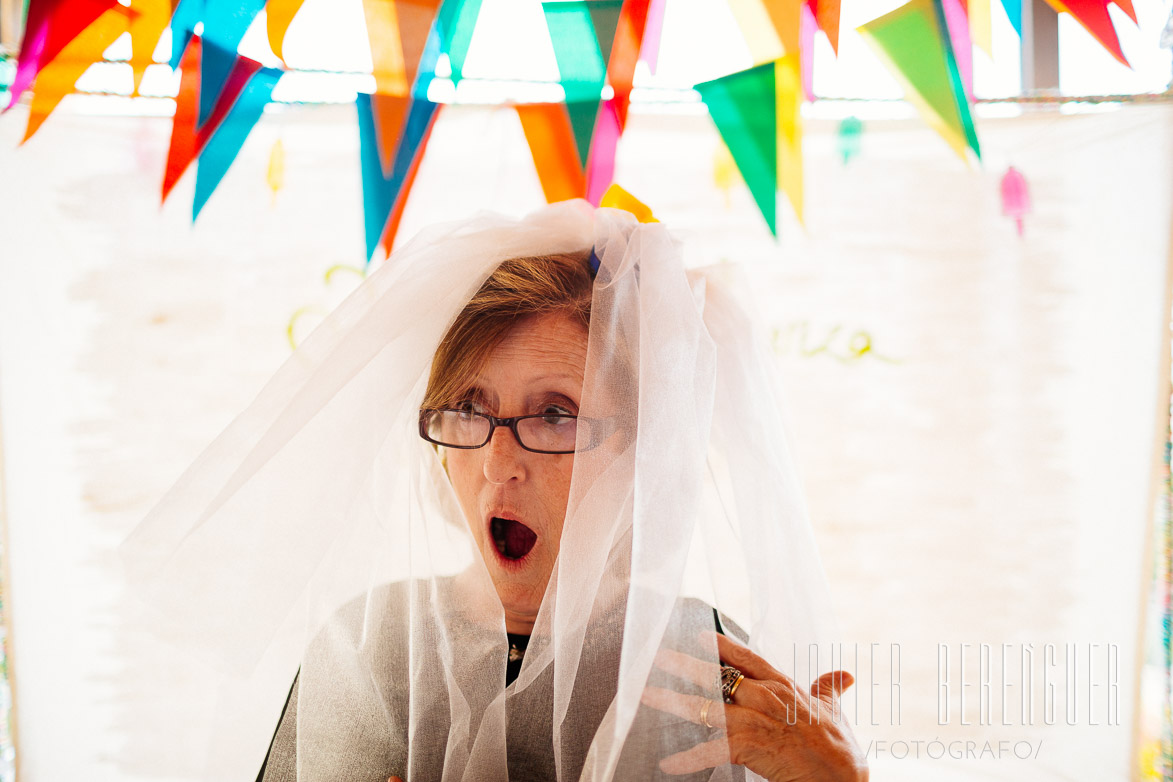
<point x="980" y="28"/>
<point x="827" y="15"/>
<point x="149" y="20"/>
<point x="455" y="24"/>
<point x="1015" y="197"/>
<point x="1093" y="15"/>
<point x="1127" y="8"/>
<point x="224" y="145"/>
<point x="629" y="35"/>
<point x="913" y="40"/>
<point x="957" y="20"/>
<point x="582" y="32"/>
<point x="225" y="23"/>
<point x="278" y="16"/>
<point x="187" y="139"/>
<point x="742" y="107"/>
<point x="649" y="51"/>
<point x="275" y="177"/>
<point x="1014" y="14"/>
<point x="385" y="194"/>
<point x="788" y="105"/>
<point x="770" y="29"/>
<point x="59" y="77"/>
<point x="618" y="198"/>
<point x="600" y="169"/>
<point x="849" y="136"/>
<point x="49" y="26"/>
<point x="807" y="27"/>
<point x="185" y="15"/>
<point x="551" y="143"/>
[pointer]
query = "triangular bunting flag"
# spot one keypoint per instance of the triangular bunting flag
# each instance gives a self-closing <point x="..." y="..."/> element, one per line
<point x="742" y="106"/>
<point x="913" y="40"/>
<point x="225" y="23"/>
<point x="49" y="26"/>
<point x="278" y="16"/>
<point x="581" y="65"/>
<point x="551" y="143"/>
<point x="1093" y="15"/>
<point x="806" y="45"/>
<point x="605" y="20"/>
<point x="1013" y="10"/>
<point x="980" y="28"/>
<point x="788" y="102"/>
<point x="187" y="143"/>
<point x="455" y="24"/>
<point x="1126" y="7"/>
<point x="225" y="143"/>
<point x="600" y="170"/>
<point x="957" y="20"/>
<point x="649" y="50"/>
<point x="384" y="195"/>
<point x="757" y="27"/>
<point x="149" y="21"/>
<point x="185" y="15"/>
<point x="629" y="36"/>
<point x="827" y="15"/>
<point x="58" y="78"/>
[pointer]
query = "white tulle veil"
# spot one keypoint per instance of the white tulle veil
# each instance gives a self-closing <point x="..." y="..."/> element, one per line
<point x="319" y="533"/>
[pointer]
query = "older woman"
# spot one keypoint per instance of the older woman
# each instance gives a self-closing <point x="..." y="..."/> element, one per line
<point x="549" y="463"/>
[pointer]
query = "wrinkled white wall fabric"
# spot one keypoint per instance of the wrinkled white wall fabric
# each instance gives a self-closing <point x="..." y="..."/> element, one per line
<point x="980" y="476"/>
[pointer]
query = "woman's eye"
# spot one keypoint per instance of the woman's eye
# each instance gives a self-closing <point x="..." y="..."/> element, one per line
<point x="468" y="406"/>
<point x="554" y="413"/>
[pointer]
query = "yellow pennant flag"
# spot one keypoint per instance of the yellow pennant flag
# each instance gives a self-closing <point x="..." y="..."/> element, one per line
<point x="149" y="18"/>
<point x="979" y="25"/>
<point x="59" y="77"/>
<point x="770" y="27"/>
<point x="279" y="15"/>
<point x="386" y="49"/>
<point x="788" y="96"/>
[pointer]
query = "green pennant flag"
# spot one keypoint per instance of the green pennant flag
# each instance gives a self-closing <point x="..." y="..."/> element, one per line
<point x="582" y="32"/>
<point x="455" y="23"/>
<point x="743" y="108"/>
<point x="914" y="41"/>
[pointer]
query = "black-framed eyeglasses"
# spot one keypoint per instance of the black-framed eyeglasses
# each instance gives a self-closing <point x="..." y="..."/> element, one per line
<point x="540" y="432"/>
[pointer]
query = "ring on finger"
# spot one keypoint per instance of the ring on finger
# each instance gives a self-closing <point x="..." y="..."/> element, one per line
<point x="731" y="679"/>
<point x="705" y="714"/>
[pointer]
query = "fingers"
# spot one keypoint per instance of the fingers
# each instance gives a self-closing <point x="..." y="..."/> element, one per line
<point x="708" y="754"/>
<point x="746" y="661"/>
<point x="686" y="707"/>
<point x="832" y="685"/>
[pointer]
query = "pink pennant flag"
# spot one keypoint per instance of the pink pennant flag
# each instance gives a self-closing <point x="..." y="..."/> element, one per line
<point x="1015" y="197"/>
<point x="957" y="19"/>
<point x="649" y="53"/>
<point x="600" y="168"/>
<point x="806" y="45"/>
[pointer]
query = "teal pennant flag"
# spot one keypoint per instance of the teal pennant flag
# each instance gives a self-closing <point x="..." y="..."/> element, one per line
<point x="582" y="32"/>
<point x="224" y="145"/>
<point x="381" y="192"/>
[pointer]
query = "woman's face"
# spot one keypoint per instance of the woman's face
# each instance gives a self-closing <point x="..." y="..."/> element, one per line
<point x="514" y="499"/>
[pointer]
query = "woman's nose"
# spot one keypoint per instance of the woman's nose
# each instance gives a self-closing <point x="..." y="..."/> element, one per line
<point x="504" y="457"/>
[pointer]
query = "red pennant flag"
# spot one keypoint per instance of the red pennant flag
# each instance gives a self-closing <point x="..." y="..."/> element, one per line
<point x="49" y="26"/>
<point x="186" y="142"/>
<point x="1093" y="15"/>
<point x="625" y="50"/>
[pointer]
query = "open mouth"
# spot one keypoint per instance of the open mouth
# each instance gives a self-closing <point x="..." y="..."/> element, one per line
<point x="513" y="539"/>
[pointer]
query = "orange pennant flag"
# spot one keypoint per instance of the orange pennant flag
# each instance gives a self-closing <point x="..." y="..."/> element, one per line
<point x="390" y="112"/>
<point x="149" y="18"/>
<point x="279" y="15"/>
<point x="551" y="142"/>
<point x="827" y="15"/>
<point x="629" y="35"/>
<point x="59" y="78"/>
<point x="408" y="181"/>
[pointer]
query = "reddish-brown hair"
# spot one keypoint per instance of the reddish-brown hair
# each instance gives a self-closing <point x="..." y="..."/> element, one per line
<point x="518" y="289"/>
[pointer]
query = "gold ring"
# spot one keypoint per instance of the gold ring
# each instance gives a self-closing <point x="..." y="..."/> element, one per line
<point x="731" y="679"/>
<point x="705" y="714"/>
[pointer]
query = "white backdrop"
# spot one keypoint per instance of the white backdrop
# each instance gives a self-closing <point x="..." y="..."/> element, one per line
<point x="982" y="475"/>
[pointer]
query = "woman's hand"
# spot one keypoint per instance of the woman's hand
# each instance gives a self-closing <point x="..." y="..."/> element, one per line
<point x="774" y="728"/>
